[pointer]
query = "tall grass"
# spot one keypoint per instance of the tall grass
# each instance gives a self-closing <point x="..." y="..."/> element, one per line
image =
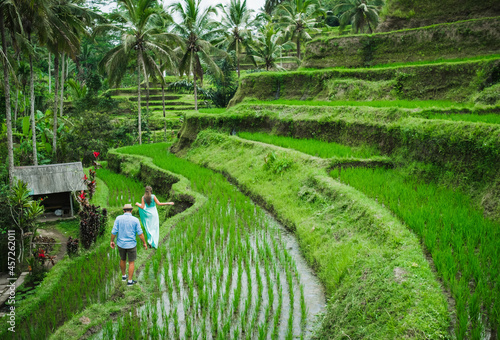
<point x="464" y="245"/>
<point x="311" y="146"/>
<point x="219" y="270"/>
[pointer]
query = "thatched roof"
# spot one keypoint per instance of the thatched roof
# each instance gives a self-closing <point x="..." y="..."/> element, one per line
<point x="53" y="178"/>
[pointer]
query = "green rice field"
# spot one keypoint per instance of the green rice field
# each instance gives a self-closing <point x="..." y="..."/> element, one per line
<point x="465" y="246"/>
<point x="122" y="189"/>
<point x="224" y="272"/>
<point x="312" y="147"/>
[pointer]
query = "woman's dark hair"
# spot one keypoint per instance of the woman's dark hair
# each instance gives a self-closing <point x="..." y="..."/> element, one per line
<point x="147" y="195"/>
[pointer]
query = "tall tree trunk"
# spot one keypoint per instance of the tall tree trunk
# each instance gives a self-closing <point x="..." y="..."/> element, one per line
<point x="56" y="93"/>
<point x="147" y="95"/>
<point x="139" y="93"/>
<point x="8" y="122"/>
<point x="194" y="84"/>
<point x="163" y="104"/>
<point x="298" y="47"/>
<point x="61" y="103"/>
<point x="67" y="67"/>
<point x="50" y="75"/>
<point x="237" y="59"/>
<point x="17" y="103"/>
<point x="32" y="111"/>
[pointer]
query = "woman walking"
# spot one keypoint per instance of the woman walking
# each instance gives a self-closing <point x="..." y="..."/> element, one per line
<point x="149" y="216"/>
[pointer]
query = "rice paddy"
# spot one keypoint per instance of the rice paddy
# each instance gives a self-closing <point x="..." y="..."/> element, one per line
<point x="464" y="245"/>
<point x="312" y="147"/>
<point x="122" y="189"/>
<point x="224" y="272"/>
<point x="66" y="291"/>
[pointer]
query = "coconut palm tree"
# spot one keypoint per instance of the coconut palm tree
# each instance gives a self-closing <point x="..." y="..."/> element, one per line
<point x="198" y="31"/>
<point x="296" y="18"/>
<point x="235" y="21"/>
<point x="359" y="13"/>
<point x="35" y="21"/>
<point x="164" y="22"/>
<point x="9" y="17"/>
<point x="270" y="5"/>
<point x="268" y="45"/>
<point x="69" y="22"/>
<point x="141" y="42"/>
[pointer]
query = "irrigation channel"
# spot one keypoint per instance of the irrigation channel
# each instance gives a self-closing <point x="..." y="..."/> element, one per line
<point x="227" y="271"/>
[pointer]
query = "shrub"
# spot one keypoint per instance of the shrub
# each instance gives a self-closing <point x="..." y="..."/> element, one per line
<point x="72" y="246"/>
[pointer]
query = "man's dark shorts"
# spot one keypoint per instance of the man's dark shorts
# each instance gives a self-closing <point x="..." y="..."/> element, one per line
<point x="132" y="254"/>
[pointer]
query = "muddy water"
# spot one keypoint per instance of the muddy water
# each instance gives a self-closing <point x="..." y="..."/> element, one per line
<point x="314" y="291"/>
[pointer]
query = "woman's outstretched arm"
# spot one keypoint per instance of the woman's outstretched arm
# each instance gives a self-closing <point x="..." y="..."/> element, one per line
<point x="142" y="204"/>
<point x="166" y="203"/>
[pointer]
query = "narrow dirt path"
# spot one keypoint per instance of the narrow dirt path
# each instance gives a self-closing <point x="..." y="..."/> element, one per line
<point x="59" y="237"/>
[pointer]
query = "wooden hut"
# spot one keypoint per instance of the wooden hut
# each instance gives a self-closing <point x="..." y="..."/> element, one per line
<point x="54" y="183"/>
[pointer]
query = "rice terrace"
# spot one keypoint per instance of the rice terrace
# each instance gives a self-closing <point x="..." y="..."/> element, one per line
<point x="236" y="169"/>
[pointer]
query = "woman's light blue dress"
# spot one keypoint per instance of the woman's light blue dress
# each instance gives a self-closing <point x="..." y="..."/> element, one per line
<point x="151" y="222"/>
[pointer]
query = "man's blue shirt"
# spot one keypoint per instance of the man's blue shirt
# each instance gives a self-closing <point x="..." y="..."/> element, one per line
<point x="127" y="227"/>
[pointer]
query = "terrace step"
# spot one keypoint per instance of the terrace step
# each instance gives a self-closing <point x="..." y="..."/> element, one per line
<point x="156" y="98"/>
<point x="454" y="81"/>
<point x="159" y="104"/>
<point x="133" y="91"/>
<point x="462" y="39"/>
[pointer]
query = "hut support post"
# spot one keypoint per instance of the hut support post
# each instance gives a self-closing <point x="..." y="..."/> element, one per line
<point x="71" y="203"/>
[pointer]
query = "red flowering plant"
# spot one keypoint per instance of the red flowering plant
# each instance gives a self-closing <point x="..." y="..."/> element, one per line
<point x="93" y="219"/>
<point x="42" y="257"/>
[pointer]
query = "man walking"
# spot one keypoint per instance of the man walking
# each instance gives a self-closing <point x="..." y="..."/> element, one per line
<point x="127" y="227"/>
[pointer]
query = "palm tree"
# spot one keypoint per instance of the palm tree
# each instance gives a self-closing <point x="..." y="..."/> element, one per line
<point x="35" y="20"/>
<point x="235" y="26"/>
<point x="8" y="15"/>
<point x="163" y="22"/>
<point x="68" y="21"/>
<point x="296" y="17"/>
<point x="198" y="32"/>
<point x="268" y="45"/>
<point x="360" y="13"/>
<point x="141" y="41"/>
<point x="270" y="5"/>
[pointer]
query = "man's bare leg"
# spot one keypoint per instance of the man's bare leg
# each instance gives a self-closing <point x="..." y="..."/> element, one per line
<point x="122" y="266"/>
<point x="130" y="270"/>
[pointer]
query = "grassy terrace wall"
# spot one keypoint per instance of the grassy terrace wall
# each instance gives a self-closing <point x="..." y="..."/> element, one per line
<point x="450" y="146"/>
<point x="445" y="41"/>
<point x="397" y="14"/>
<point x="374" y="270"/>
<point x="452" y="81"/>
